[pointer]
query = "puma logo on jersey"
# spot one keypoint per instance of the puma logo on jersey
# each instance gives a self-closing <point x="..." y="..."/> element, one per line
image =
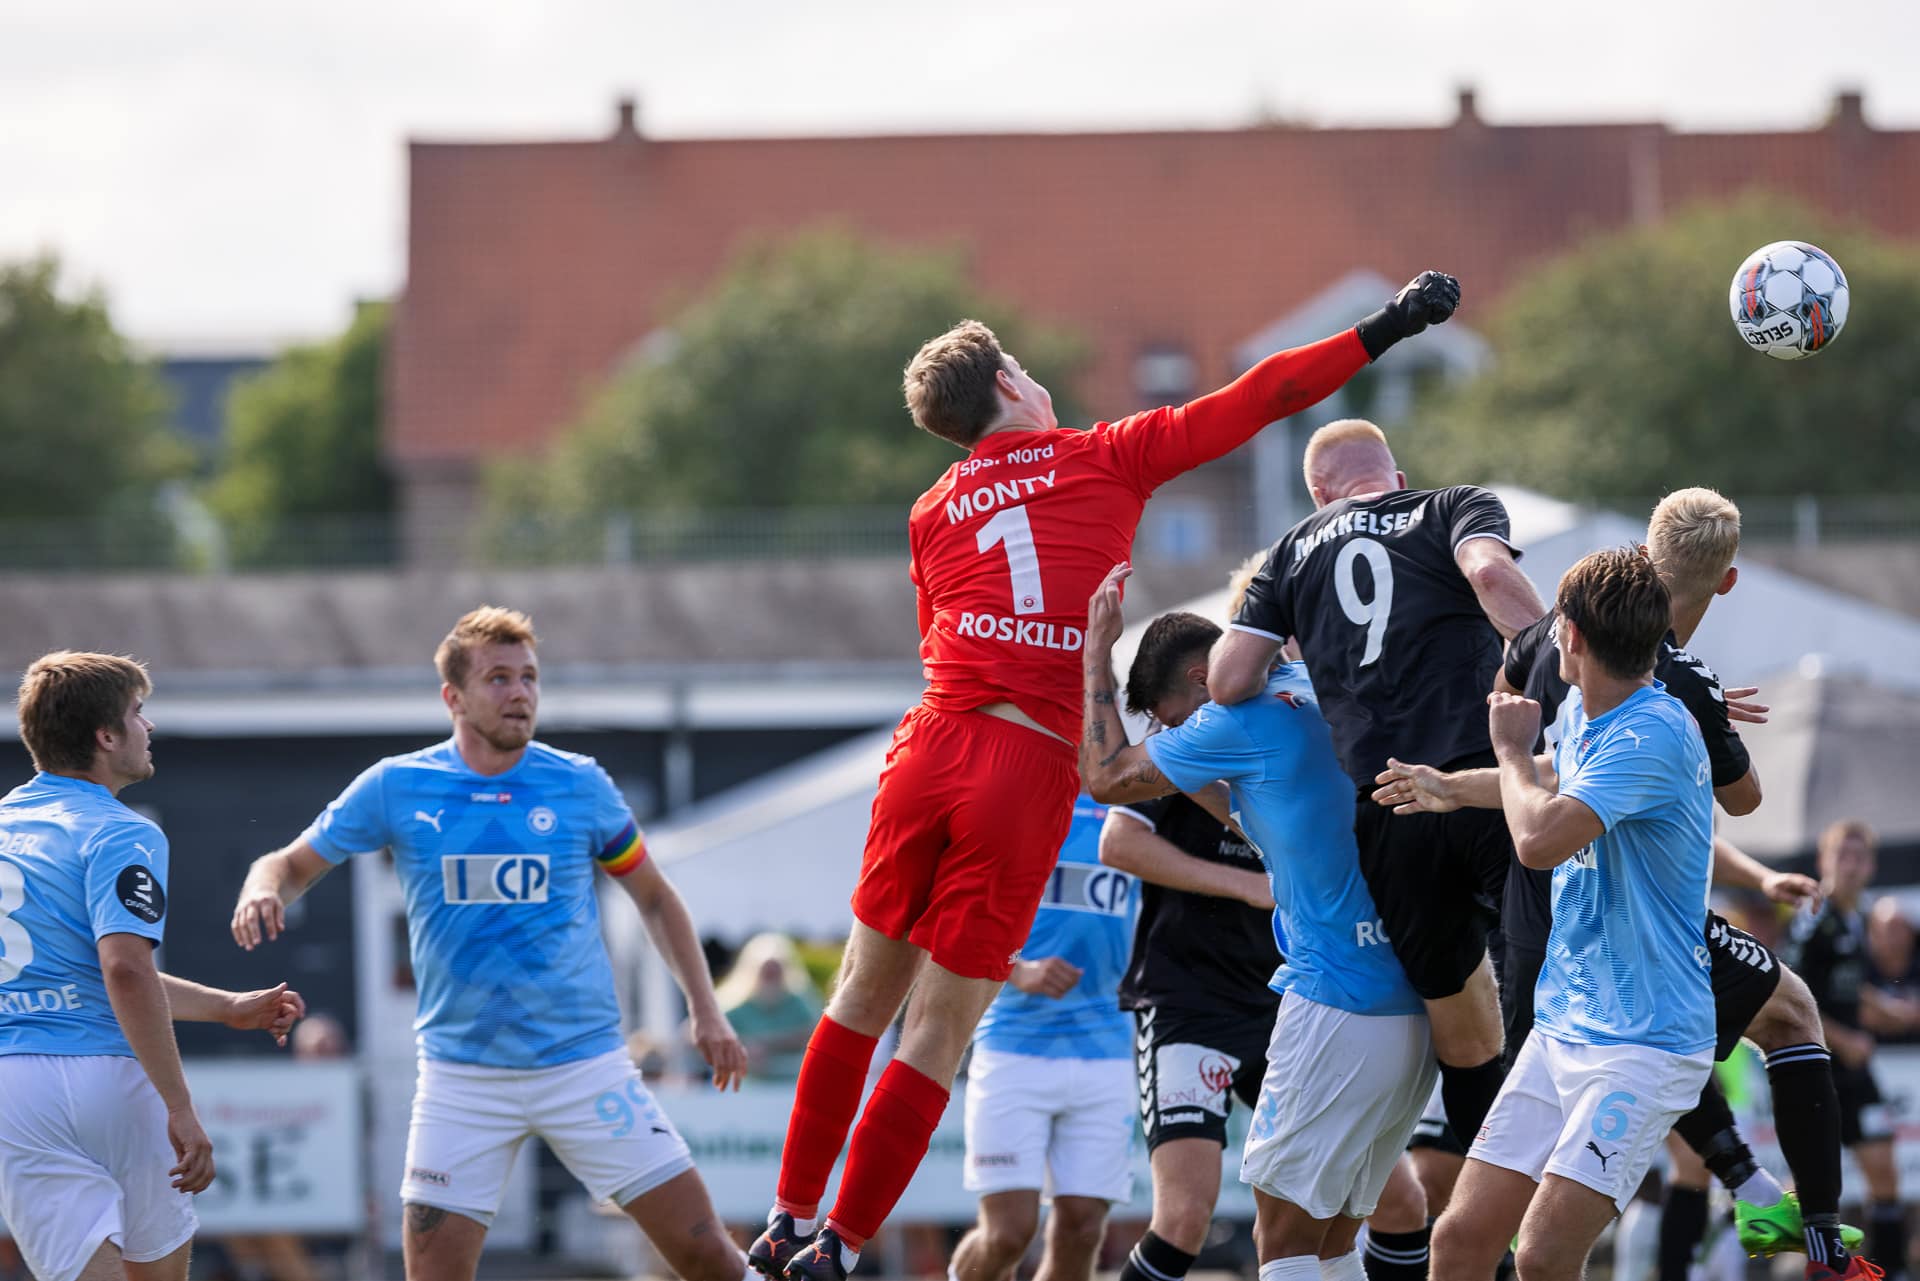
<point x="431" y="820"/>
<point x="1604" y="1156"/>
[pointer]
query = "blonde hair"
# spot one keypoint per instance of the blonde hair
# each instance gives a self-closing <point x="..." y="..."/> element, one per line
<point x="744" y="977"/>
<point x="1692" y="537"/>
<point x="1841" y="831"/>
<point x="1346" y="446"/>
<point x="487" y="625"/>
<point x="1239" y="580"/>
<point x="67" y="696"/>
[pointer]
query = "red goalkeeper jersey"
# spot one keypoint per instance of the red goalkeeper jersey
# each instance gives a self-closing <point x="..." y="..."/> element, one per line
<point x="1011" y="543"/>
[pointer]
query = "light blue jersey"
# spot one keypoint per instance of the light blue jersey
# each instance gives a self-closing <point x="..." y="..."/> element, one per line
<point x="1295" y="804"/>
<point x="75" y="866"/>
<point x="1087" y="919"/>
<point x="498" y="875"/>
<point x="1625" y="963"/>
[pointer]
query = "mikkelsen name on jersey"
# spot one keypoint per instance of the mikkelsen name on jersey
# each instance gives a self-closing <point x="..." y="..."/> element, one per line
<point x="1358" y="522"/>
<point x="494" y="878"/>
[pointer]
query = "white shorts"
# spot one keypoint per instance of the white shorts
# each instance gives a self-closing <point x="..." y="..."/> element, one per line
<point x="84" y="1158"/>
<point x="1596" y="1114"/>
<point x="596" y="1115"/>
<point x="1064" y="1126"/>
<point x="1339" y="1101"/>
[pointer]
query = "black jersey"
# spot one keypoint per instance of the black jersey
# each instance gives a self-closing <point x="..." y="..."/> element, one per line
<point x="1533" y="668"/>
<point x="1400" y="652"/>
<point x="1829" y="951"/>
<point x="1195" y="952"/>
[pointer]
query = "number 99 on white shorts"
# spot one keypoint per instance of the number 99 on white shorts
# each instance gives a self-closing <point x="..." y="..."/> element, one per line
<point x="597" y="1116"/>
<point x="1595" y="1114"/>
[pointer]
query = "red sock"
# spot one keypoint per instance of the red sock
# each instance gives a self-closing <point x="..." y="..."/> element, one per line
<point x="887" y="1148"/>
<point x="825" y="1099"/>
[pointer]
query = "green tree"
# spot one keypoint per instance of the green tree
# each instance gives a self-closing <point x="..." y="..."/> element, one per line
<point x="302" y="479"/>
<point x="1618" y="373"/>
<point x="84" y="421"/>
<point x="779" y="387"/>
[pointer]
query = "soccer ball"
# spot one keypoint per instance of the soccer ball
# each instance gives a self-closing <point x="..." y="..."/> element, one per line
<point x="1789" y="299"/>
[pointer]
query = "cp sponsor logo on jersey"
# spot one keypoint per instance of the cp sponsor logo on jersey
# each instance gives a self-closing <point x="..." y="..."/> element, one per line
<point x="141" y="894"/>
<point x="1088" y="887"/>
<point x="541" y="821"/>
<point x="494" y="878"/>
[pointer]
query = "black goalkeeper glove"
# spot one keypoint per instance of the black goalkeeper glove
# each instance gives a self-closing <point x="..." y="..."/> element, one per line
<point x="1428" y="299"/>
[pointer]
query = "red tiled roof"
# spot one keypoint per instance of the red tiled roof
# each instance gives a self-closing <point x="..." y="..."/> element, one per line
<point x="533" y="268"/>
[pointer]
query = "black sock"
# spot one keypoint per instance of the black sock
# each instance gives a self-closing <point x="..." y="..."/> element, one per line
<point x="1806" y="1117"/>
<point x="1683" y="1221"/>
<point x="1153" y="1259"/>
<point x="1822" y="1233"/>
<point x="1467" y="1095"/>
<point x="1397" y="1256"/>
<point x="1710" y="1131"/>
<point x="1887" y="1237"/>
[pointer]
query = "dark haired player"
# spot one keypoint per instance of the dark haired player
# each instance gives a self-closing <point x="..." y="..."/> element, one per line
<point x="977" y="793"/>
<point x="1399" y="599"/>
<point x="1692" y="538"/>
<point x="1203" y="955"/>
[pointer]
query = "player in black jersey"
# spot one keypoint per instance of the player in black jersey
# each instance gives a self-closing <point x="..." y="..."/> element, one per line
<point x="1692" y="538"/>
<point x="1399" y="599"/>
<point x="1203" y="953"/>
<point x="1829" y="949"/>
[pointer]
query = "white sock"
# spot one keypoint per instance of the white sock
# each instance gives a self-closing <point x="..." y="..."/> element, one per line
<point x="1347" y="1267"/>
<point x="1299" y="1267"/>
<point x="804" y="1227"/>
<point x="1761" y="1189"/>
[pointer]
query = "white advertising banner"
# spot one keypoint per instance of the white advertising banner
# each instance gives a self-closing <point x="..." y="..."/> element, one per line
<point x="289" y="1143"/>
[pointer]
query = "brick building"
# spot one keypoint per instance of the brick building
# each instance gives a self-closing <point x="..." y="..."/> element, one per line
<point x="533" y="269"/>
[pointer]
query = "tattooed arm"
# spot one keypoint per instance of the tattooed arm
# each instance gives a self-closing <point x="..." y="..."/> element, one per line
<point x="1112" y="769"/>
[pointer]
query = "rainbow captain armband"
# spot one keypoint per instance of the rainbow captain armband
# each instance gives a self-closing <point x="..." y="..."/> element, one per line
<point x="624" y="852"/>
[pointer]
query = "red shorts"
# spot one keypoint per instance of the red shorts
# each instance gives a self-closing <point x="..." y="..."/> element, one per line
<point x="967" y="827"/>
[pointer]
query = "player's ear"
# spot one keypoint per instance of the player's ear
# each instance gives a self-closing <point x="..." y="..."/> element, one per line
<point x="1008" y="387"/>
<point x="450" y="695"/>
<point x="1727" y="582"/>
<point x="1400" y="478"/>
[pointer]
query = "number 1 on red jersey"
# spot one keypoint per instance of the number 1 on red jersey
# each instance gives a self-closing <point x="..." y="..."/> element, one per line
<point x="1011" y="527"/>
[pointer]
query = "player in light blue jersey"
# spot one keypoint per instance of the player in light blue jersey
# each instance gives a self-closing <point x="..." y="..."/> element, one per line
<point x="1351" y="1061"/>
<point x="100" y="1146"/>
<point x="1050" y="1092"/>
<point x="495" y="838"/>
<point x="1624" y="1020"/>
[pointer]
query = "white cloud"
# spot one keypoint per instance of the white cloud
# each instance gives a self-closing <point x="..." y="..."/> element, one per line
<point x="238" y="169"/>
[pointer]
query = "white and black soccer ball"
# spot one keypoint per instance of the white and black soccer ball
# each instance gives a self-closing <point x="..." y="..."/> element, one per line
<point x="1789" y="299"/>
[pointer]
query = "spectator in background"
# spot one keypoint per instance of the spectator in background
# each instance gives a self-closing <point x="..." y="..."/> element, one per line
<point x="1893" y="969"/>
<point x="1829" y="950"/>
<point x="771" y="1003"/>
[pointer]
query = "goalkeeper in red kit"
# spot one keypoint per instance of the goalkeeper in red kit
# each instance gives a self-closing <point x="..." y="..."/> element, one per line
<point x="978" y="788"/>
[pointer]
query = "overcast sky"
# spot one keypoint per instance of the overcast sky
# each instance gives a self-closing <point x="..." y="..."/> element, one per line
<point x="233" y="172"/>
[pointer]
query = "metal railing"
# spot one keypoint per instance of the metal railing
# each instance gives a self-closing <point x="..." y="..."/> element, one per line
<point x="192" y="541"/>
